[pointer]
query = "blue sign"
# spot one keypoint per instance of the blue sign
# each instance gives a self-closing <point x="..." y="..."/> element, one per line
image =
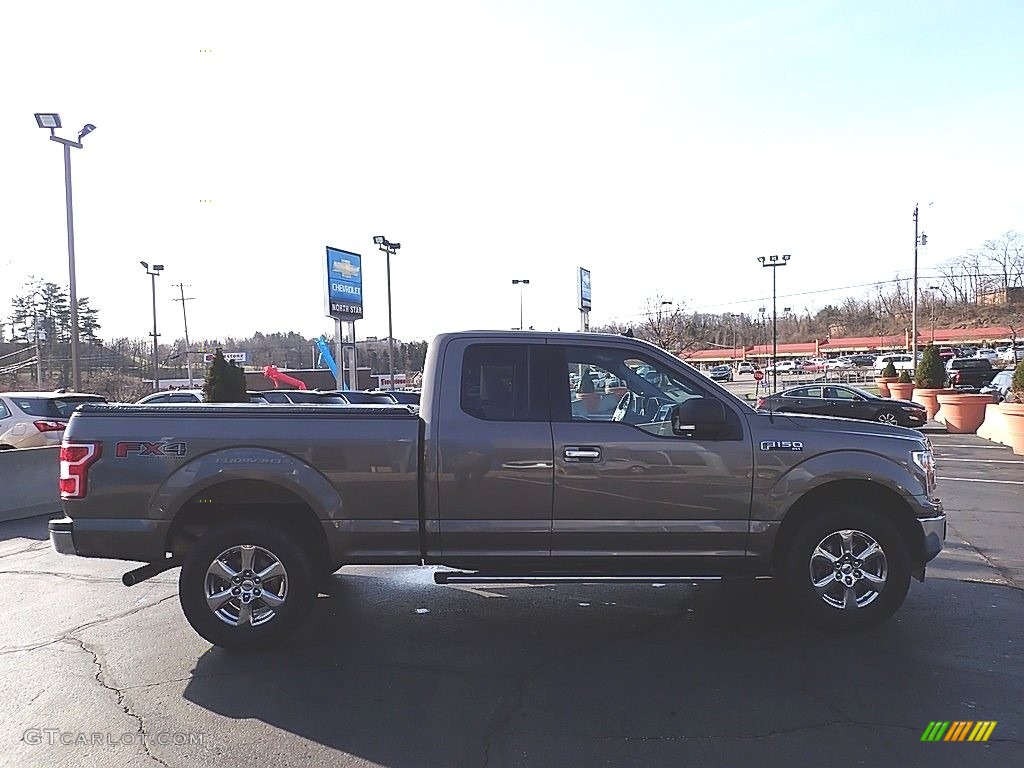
<point x="583" y="289"/>
<point x="344" y="284"/>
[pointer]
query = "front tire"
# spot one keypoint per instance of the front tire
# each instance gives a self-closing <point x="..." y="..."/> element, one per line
<point x="246" y="585"/>
<point x="847" y="568"/>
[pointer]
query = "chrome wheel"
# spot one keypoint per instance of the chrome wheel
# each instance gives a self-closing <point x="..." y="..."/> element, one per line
<point x="245" y="585"/>
<point x="848" y="569"/>
<point x="888" y="418"/>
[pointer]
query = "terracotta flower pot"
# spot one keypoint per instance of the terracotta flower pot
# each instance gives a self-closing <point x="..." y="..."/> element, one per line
<point x="1014" y="413"/>
<point x="901" y="391"/>
<point x="883" y="383"/>
<point x="929" y="399"/>
<point x="963" y="413"/>
<point x="591" y="401"/>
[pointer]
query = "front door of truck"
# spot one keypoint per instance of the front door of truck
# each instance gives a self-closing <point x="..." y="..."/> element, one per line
<point x="627" y="486"/>
<point x="495" y="467"/>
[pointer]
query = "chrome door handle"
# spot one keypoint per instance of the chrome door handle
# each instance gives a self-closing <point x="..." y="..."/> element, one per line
<point x="582" y="453"/>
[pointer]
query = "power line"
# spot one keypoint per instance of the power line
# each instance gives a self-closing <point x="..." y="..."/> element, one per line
<point x="874" y="284"/>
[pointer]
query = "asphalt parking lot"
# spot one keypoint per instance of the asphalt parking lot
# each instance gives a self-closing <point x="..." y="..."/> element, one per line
<point x="392" y="670"/>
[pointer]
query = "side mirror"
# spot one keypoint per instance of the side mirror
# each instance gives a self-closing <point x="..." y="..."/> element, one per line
<point x="702" y="416"/>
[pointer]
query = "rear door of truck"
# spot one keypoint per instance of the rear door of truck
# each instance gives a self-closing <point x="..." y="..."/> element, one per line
<point x="495" y="469"/>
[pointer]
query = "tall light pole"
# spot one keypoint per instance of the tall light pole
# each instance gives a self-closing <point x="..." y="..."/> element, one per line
<point x="388" y="248"/>
<point x="184" y="317"/>
<point x="932" y="289"/>
<point x="51" y="121"/>
<point x="919" y="239"/>
<point x="520" y="283"/>
<point x="156" y="270"/>
<point x="773" y="262"/>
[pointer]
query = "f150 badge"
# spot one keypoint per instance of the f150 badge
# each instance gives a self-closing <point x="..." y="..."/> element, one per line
<point x="141" y="448"/>
<point x="781" y="445"/>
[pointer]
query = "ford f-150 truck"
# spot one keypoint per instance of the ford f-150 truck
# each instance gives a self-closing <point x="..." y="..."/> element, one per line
<point x="506" y="471"/>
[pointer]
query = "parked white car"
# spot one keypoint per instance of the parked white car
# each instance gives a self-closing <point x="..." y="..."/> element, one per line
<point x="746" y="367"/>
<point x="900" y="362"/>
<point x="838" y="363"/>
<point x="988" y="354"/>
<point x="787" y="366"/>
<point x="1012" y="354"/>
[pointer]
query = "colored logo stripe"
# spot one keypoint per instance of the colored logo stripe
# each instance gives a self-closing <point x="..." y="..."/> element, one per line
<point x="959" y="730"/>
<point x="982" y="731"/>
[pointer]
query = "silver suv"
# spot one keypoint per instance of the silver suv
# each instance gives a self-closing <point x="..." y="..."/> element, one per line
<point x="38" y="419"/>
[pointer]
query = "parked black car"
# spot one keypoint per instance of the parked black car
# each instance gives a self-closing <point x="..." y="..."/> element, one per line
<point x="357" y="397"/>
<point x="405" y="397"/>
<point x="846" y="402"/>
<point x="968" y="373"/>
<point x="862" y="361"/>
<point x="721" y="373"/>
<point x="301" y="397"/>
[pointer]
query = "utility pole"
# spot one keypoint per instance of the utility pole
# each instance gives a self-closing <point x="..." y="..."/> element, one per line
<point x="184" y="316"/>
<point x="774" y="262"/>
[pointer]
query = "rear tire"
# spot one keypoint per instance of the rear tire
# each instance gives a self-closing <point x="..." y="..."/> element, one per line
<point x="246" y="585"/>
<point x="847" y="568"/>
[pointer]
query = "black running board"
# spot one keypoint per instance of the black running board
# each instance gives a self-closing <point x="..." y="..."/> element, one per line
<point x="462" y="577"/>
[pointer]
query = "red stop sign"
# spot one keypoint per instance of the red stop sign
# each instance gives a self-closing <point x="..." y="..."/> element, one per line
<point x="758" y="375"/>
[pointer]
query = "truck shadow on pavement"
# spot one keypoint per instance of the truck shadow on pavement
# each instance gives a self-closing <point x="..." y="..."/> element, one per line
<point x="398" y="671"/>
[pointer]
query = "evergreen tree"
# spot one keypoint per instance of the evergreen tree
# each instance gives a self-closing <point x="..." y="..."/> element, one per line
<point x="224" y="382"/>
<point x="930" y="373"/>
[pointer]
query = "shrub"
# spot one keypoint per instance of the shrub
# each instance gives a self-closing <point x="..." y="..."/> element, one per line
<point x="224" y="382"/>
<point x="889" y="371"/>
<point x="1016" y="393"/>
<point x="904" y="377"/>
<point x="931" y="373"/>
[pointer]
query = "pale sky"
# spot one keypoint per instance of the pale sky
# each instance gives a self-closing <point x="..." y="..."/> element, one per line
<point x="663" y="145"/>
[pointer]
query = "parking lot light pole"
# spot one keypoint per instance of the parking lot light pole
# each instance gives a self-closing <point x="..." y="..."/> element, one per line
<point x="389" y="249"/>
<point x="774" y="262"/>
<point x="51" y="121"/>
<point x="156" y="270"/>
<point x="520" y="283"/>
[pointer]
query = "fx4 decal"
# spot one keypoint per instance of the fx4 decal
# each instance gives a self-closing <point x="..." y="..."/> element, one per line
<point x="781" y="445"/>
<point x="141" y="448"/>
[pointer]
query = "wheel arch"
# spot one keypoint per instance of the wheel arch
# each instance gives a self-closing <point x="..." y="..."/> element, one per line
<point x="873" y="495"/>
<point x="245" y="499"/>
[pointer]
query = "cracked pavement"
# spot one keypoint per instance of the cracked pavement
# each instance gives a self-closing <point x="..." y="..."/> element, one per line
<point x="392" y="670"/>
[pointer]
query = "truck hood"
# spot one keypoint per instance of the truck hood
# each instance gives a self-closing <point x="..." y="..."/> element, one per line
<point x="848" y="427"/>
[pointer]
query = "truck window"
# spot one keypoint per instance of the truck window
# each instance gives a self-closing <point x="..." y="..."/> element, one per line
<point x="499" y="383"/>
<point x="643" y="390"/>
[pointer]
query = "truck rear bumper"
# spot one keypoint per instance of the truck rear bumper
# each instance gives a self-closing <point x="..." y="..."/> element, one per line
<point x="60" y="537"/>
<point x="114" y="538"/>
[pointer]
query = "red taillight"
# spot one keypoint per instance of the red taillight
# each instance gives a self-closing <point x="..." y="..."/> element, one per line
<point x="956" y="377"/>
<point x="50" y="426"/>
<point x="75" y="459"/>
<point x="760" y="404"/>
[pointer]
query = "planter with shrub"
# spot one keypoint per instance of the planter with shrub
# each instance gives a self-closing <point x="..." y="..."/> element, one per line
<point x="930" y="381"/>
<point x="903" y="387"/>
<point x="1013" y="409"/>
<point x="888" y="376"/>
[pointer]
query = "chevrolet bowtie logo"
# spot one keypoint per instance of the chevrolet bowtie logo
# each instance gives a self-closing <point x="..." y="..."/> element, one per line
<point x="345" y="268"/>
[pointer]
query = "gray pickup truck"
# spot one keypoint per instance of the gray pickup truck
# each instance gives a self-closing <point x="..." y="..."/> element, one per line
<point x="516" y="467"/>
